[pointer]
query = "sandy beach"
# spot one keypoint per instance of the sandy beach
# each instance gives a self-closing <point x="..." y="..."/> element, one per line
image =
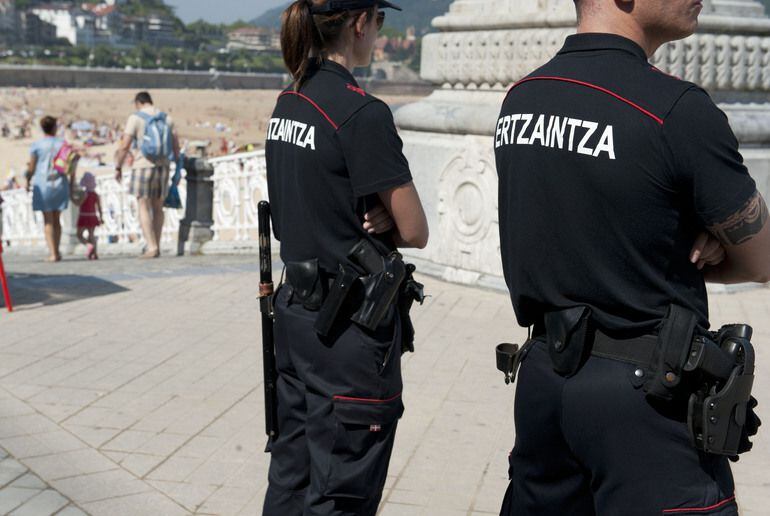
<point x="227" y="119"/>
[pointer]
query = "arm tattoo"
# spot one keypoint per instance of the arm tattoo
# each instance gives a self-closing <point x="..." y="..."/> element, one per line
<point x="744" y="224"/>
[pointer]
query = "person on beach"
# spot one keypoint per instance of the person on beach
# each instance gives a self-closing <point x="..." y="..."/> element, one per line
<point x="90" y="216"/>
<point x="151" y="171"/>
<point x="50" y="190"/>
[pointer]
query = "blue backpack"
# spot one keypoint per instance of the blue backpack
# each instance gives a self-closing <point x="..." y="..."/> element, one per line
<point x="157" y="141"/>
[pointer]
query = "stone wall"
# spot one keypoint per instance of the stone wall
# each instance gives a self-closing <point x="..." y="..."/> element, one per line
<point x="74" y="77"/>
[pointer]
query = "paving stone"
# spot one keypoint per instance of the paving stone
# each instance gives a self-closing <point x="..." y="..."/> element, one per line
<point x="140" y="464"/>
<point x="10" y="470"/>
<point x="100" y="486"/>
<point x="45" y="502"/>
<point x="30" y="481"/>
<point x="71" y="510"/>
<point x="67" y="464"/>
<point x="13" y="497"/>
<point x="134" y="505"/>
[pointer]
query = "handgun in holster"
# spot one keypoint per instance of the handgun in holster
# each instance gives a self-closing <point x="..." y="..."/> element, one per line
<point x="373" y="279"/>
<point x="721" y="414"/>
<point x="381" y="284"/>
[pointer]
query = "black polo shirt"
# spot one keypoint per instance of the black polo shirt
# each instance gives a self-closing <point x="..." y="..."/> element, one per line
<point x="609" y="169"/>
<point x="331" y="147"/>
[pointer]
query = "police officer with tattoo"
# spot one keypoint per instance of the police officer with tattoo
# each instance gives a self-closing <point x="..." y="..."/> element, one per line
<point x="342" y="201"/>
<point x="622" y="191"/>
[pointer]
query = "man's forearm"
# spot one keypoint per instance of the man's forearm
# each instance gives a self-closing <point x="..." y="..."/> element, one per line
<point x="726" y="273"/>
<point x="120" y="157"/>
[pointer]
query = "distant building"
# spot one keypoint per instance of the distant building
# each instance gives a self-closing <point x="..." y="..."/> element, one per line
<point x="154" y="29"/>
<point x="74" y="24"/>
<point x="258" y="39"/>
<point x="108" y="22"/>
<point x="34" y="31"/>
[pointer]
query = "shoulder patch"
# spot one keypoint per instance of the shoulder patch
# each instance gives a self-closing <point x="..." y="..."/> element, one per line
<point x="356" y="89"/>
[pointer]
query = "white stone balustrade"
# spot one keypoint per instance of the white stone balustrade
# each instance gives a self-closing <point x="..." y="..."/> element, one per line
<point x="23" y="228"/>
<point x="240" y="183"/>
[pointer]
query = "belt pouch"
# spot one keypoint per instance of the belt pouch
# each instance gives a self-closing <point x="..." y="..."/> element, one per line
<point x="338" y="293"/>
<point x="305" y="279"/>
<point x="674" y="342"/>
<point x="567" y="335"/>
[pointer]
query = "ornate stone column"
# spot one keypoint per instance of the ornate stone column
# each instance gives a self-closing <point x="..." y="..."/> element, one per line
<point x="484" y="46"/>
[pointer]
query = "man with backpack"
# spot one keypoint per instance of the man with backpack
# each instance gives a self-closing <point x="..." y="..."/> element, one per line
<point x="151" y="132"/>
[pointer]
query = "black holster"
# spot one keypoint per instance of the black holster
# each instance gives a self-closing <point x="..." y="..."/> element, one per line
<point x="720" y="413"/>
<point x="368" y="289"/>
<point x="385" y="274"/>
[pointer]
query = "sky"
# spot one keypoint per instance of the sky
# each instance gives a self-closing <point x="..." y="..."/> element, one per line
<point x="221" y="11"/>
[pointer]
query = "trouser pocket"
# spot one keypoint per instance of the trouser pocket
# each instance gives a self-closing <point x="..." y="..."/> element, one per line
<point x="363" y="441"/>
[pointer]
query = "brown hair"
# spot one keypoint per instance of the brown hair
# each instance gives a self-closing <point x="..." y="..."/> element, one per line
<point x="143" y="98"/>
<point x="48" y="125"/>
<point x="305" y="35"/>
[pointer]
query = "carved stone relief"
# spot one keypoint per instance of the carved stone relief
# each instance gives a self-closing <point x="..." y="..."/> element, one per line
<point x="467" y="210"/>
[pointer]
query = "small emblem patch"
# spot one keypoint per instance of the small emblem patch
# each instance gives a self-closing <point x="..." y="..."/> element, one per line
<point x="357" y="90"/>
<point x="375" y="428"/>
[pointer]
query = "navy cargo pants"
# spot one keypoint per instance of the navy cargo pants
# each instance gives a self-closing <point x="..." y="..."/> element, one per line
<point x="339" y="401"/>
<point x="592" y="444"/>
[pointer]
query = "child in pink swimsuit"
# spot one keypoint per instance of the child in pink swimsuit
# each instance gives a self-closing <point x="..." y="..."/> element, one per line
<point x="90" y="215"/>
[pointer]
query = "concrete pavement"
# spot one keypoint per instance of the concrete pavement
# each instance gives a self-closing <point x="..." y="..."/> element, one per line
<point x="133" y="387"/>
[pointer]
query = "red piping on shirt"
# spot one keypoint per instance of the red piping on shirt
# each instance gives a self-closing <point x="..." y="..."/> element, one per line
<point x="365" y="400"/>
<point x="300" y="95"/>
<point x="358" y="90"/>
<point x="595" y="87"/>
<point x="700" y="509"/>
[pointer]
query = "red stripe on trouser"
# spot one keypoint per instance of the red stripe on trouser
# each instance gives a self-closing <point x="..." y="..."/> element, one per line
<point x="365" y="400"/>
<point x="700" y="509"/>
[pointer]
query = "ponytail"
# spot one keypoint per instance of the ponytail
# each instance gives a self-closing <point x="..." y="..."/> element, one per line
<point x="298" y="39"/>
<point x="305" y="36"/>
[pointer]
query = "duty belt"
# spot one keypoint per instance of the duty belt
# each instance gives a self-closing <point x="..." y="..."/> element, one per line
<point x="639" y="351"/>
<point x="719" y="367"/>
<point x="364" y="290"/>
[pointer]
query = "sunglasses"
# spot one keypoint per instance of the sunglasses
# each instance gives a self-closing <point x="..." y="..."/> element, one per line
<point x="380" y="19"/>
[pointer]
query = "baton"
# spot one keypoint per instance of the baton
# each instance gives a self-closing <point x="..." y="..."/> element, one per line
<point x="266" y="307"/>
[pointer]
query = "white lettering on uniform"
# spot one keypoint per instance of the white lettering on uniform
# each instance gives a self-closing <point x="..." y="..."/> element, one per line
<point x="550" y="132"/>
<point x="606" y="143"/>
<point x="558" y="132"/>
<point x="527" y="119"/>
<point x="573" y="123"/>
<point x="582" y="149"/>
<point x="291" y="131"/>
<point x="538" y="133"/>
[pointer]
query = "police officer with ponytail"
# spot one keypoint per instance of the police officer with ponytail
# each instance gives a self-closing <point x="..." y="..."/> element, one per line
<point x="342" y="202"/>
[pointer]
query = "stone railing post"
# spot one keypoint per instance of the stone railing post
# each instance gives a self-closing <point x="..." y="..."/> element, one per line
<point x="69" y="222"/>
<point x="195" y="228"/>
